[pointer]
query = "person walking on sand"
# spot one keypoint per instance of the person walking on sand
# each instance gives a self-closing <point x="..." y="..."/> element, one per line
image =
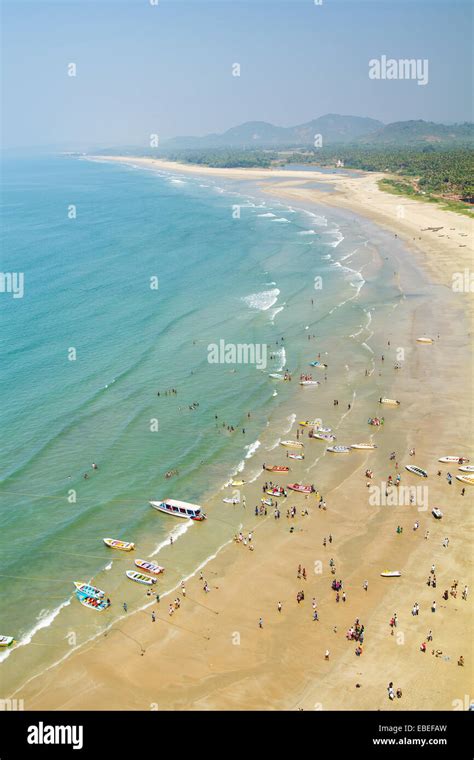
<point x="365" y="585"/>
<point x="260" y="622"/>
<point x="125" y="607"/>
<point x="279" y="606"/>
<point x="433" y="607"/>
<point x="327" y="654"/>
<point x="464" y="593"/>
<point x="153" y="617"/>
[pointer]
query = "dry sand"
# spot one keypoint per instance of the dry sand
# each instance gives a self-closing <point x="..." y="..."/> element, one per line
<point x="211" y="654"/>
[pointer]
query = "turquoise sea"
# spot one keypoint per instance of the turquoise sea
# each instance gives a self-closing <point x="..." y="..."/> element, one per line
<point x="90" y="344"/>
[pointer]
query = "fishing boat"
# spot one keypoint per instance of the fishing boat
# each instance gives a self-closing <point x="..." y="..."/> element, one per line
<point x="150" y="567"/>
<point x="468" y="479"/>
<point x="339" y="449"/>
<point x="324" y="437"/>
<point x="179" y="509"/>
<point x="453" y="460"/>
<point x="300" y="488"/>
<point x="309" y="382"/>
<point x="436" y="513"/>
<point x="6" y="641"/>
<point x="277" y="468"/>
<point x="416" y="470"/>
<point x="277" y="491"/>
<point x="363" y="446"/>
<point x="322" y="429"/>
<point x="92" y="602"/>
<point x="467" y="468"/>
<point x="230" y="500"/>
<point x="296" y="456"/>
<point x="88" y="590"/>
<point x="390" y="401"/>
<point x="310" y="423"/>
<point x="238" y="483"/>
<point x="276" y="376"/>
<point x="147" y="580"/>
<point x="318" y="365"/>
<point x="292" y="444"/>
<point x="114" y="543"/>
<point x="424" y="340"/>
<point x="267" y="502"/>
<point x="391" y="574"/>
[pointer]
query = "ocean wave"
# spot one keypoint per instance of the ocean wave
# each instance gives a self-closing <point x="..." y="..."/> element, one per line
<point x="337" y="234"/>
<point x="44" y="621"/>
<point x="252" y="448"/>
<point x="281" y="219"/>
<point x="263" y="300"/>
<point x="274" y="445"/>
<point x="274" y="313"/>
<point x="291" y="419"/>
<point x="307" y="232"/>
<point x="178" y="530"/>
<point x="268" y="214"/>
<point x="281" y="354"/>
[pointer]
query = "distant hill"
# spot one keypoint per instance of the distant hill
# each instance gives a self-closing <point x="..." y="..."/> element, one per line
<point x="405" y="133"/>
<point x="334" y="129"/>
<point x="261" y="134"/>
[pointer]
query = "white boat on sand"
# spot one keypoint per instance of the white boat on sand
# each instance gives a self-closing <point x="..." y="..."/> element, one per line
<point x="179" y="509"/>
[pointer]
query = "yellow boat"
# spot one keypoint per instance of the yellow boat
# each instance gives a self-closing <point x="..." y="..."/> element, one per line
<point x="424" y="340"/>
<point x="238" y="483"/>
<point x="114" y="543"/>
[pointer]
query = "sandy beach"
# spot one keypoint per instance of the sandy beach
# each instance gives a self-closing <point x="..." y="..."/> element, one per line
<point x="211" y="653"/>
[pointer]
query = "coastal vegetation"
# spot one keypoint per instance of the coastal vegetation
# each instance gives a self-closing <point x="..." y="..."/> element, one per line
<point x="437" y="174"/>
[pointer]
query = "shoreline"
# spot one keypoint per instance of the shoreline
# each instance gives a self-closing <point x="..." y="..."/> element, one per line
<point x="225" y="677"/>
<point x="407" y="218"/>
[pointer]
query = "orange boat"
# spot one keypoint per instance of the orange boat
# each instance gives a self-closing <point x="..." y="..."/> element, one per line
<point x="277" y="468"/>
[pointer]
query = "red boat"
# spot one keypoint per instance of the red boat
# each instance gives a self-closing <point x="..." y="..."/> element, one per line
<point x="277" y="468"/>
<point x="300" y="488"/>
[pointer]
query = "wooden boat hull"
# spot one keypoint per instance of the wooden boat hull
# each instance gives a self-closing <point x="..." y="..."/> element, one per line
<point x="123" y="546"/>
<point x="92" y="603"/>
<point x="299" y="488"/>
<point x="150" y="567"/>
<point x="146" y="580"/>
<point x="88" y="590"/>
<point x="277" y="468"/>
<point x="416" y="470"/>
<point x="292" y="444"/>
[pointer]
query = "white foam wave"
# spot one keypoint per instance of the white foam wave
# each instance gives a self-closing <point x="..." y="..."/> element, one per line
<point x="268" y="214"/>
<point x="307" y="232"/>
<point x="291" y="419"/>
<point x="263" y="300"/>
<point x="178" y="531"/>
<point x="251" y="449"/>
<point x="45" y="619"/>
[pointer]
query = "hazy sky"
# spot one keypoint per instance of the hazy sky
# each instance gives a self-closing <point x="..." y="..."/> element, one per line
<point x="167" y="69"/>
